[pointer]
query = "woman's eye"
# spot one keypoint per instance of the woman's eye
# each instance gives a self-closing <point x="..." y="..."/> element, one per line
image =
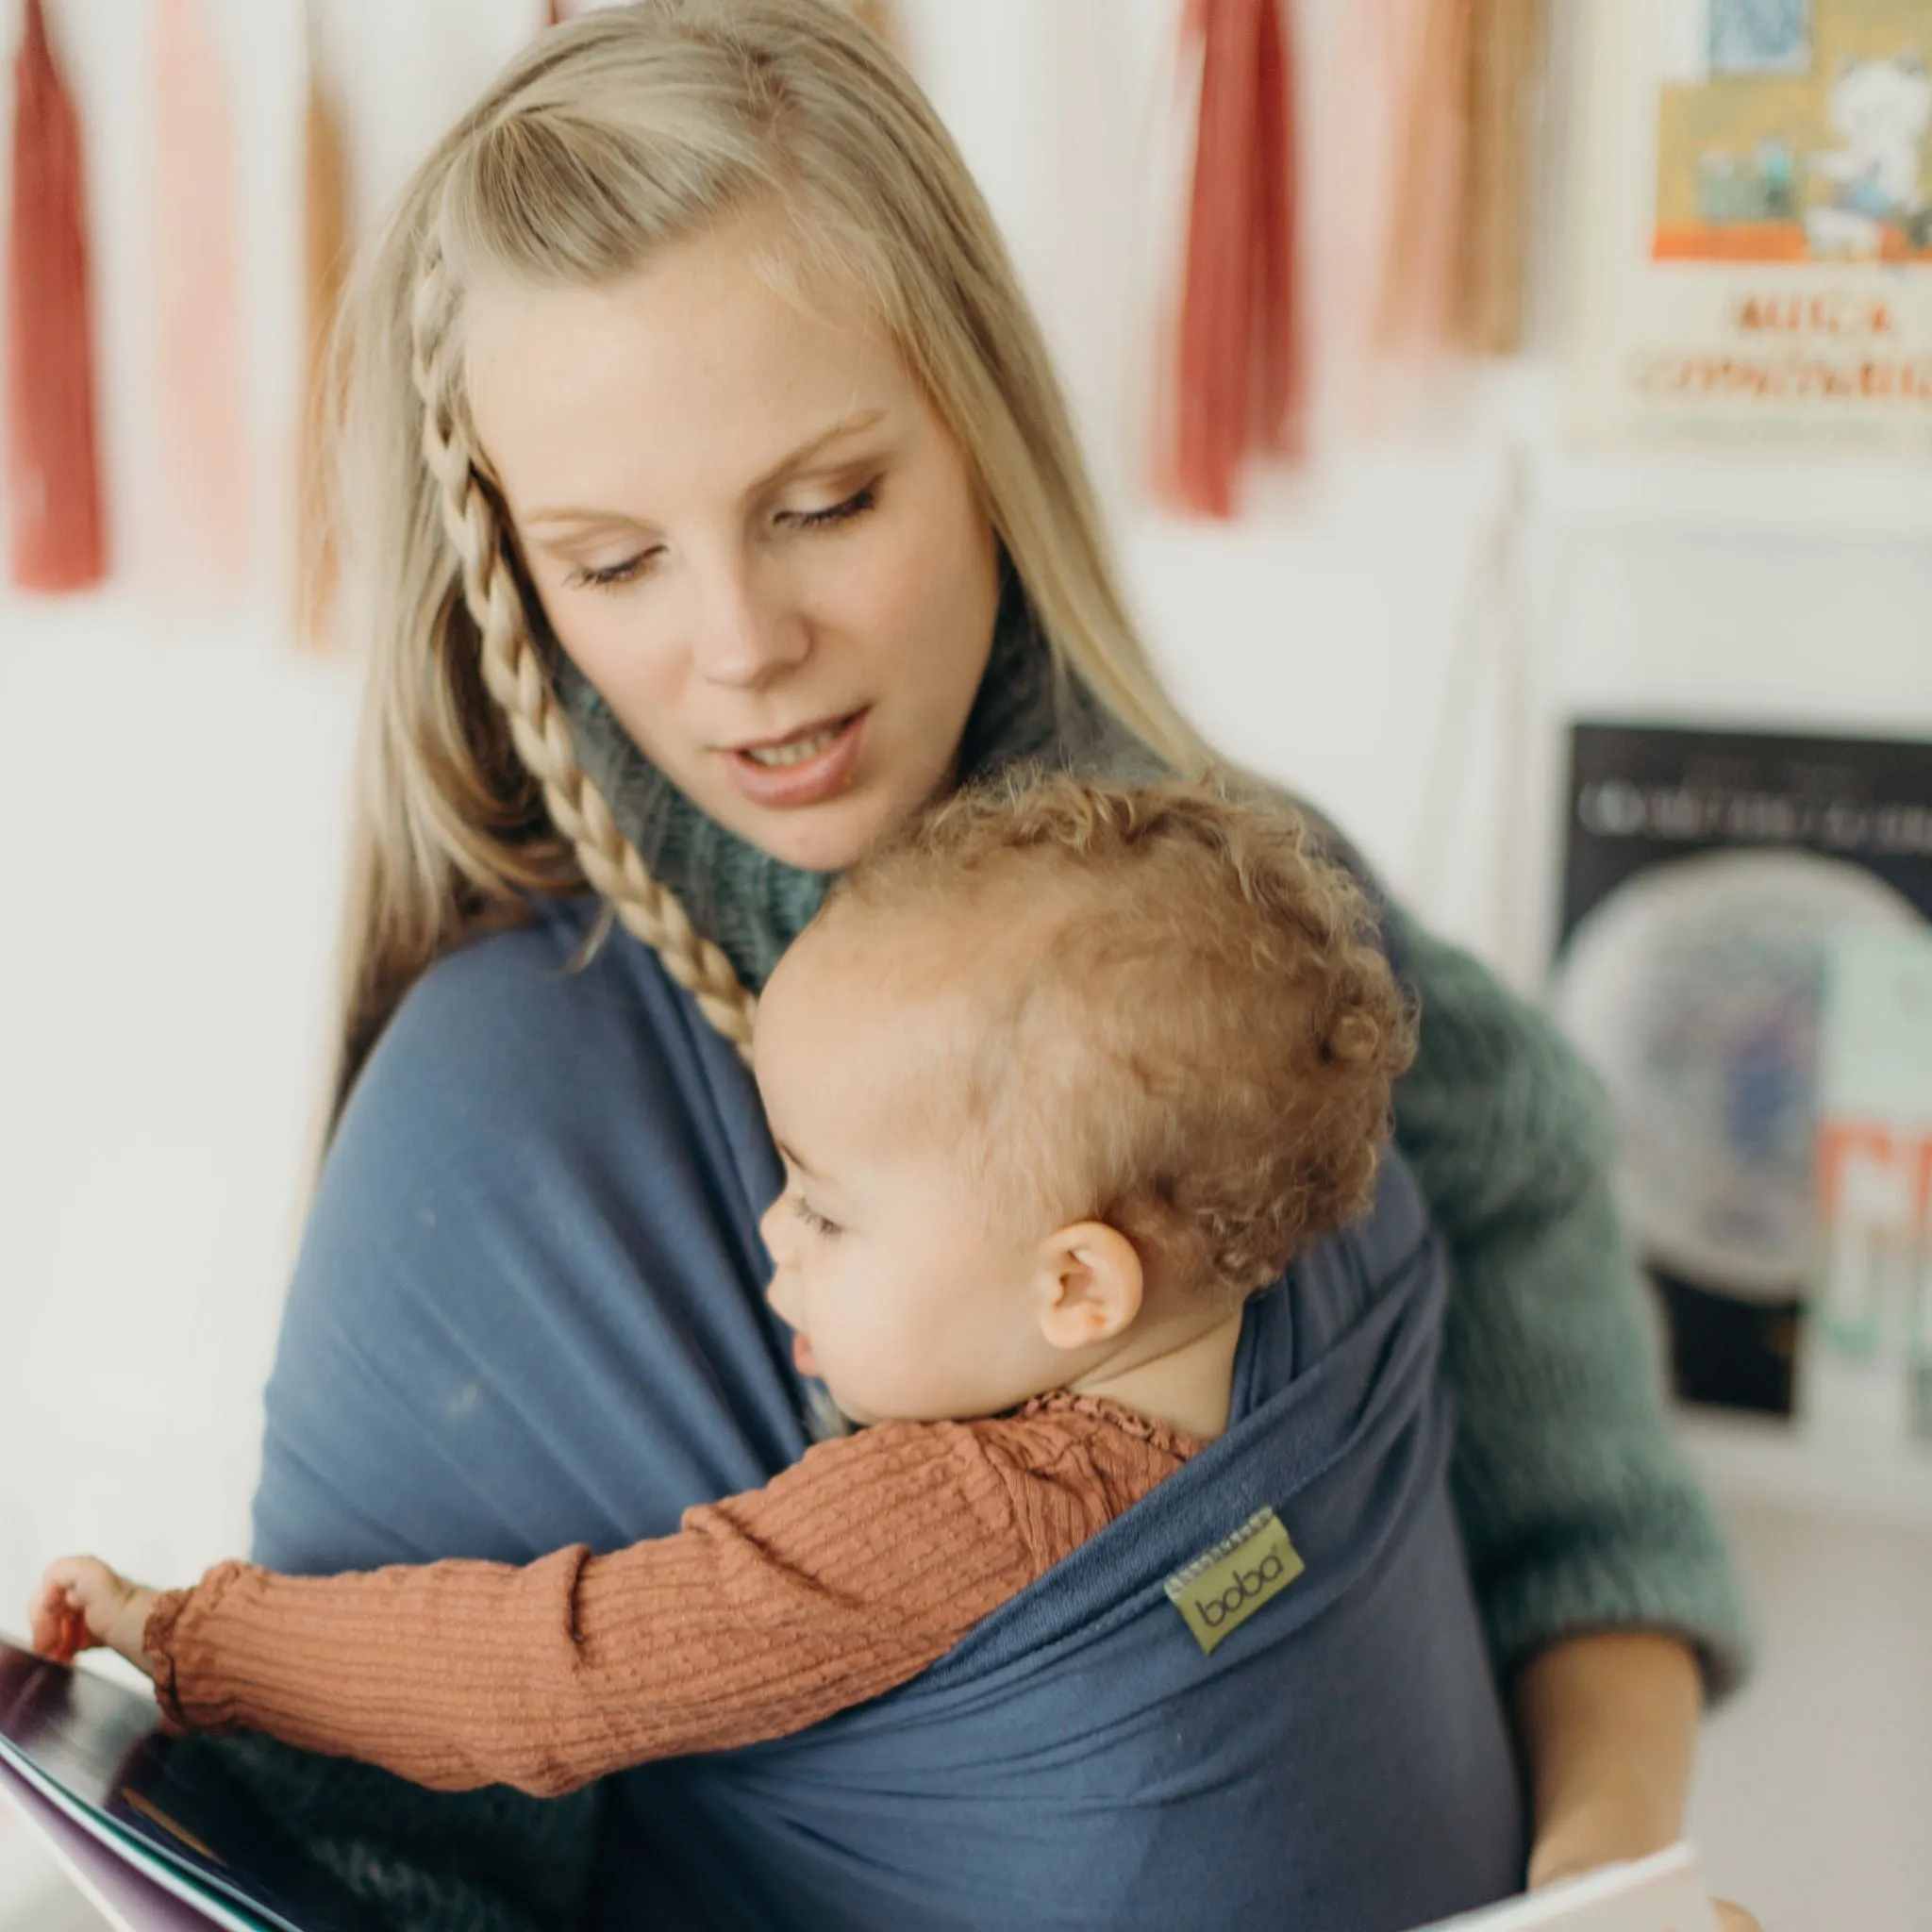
<point x="812" y="1218"/>
<point x="606" y="576"/>
<point x="839" y="514"/>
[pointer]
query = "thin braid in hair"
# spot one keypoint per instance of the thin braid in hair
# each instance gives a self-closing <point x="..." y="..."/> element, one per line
<point x="514" y="673"/>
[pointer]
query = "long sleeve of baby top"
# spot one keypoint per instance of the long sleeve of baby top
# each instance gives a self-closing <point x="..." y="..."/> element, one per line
<point x="847" y="1575"/>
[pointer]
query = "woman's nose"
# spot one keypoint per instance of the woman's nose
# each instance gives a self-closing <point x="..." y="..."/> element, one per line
<point x="747" y="634"/>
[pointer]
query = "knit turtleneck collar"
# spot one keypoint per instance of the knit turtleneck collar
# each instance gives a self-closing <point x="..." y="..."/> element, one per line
<point x="1030" y="708"/>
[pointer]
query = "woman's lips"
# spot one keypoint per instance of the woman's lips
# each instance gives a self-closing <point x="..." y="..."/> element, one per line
<point x="810" y="780"/>
<point x="803" y="1359"/>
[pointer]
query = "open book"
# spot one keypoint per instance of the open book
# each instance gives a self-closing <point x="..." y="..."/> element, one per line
<point x="162" y="1837"/>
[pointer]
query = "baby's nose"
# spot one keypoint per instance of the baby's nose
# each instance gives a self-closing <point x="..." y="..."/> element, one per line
<point x="779" y="1297"/>
<point x="772" y="1231"/>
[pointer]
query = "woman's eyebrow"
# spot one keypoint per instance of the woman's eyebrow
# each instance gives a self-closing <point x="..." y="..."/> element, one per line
<point x="804" y="454"/>
<point x="582" y="518"/>
<point x="797" y="459"/>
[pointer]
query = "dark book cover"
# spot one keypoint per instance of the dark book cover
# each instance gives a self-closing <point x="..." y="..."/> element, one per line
<point x="1707" y="876"/>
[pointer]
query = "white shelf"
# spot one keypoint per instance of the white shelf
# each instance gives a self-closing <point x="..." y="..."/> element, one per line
<point x="1699" y="493"/>
<point x="1766" y="1463"/>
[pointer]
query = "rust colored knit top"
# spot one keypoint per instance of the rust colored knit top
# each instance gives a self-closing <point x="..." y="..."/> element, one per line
<point x="844" y="1576"/>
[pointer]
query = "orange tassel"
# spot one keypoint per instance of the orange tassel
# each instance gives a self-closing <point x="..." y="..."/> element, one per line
<point x="1240" y="385"/>
<point x="1507" y="48"/>
<point x="327" y="236"/>
<point x="878" y="16"/>
<point x="59" y="540"/>
<point x="205" y="487"/>
<point x="1426" y="238"/>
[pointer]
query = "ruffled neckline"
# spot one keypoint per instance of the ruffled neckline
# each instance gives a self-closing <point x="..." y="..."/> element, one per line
<point x="1116" y="1415"/>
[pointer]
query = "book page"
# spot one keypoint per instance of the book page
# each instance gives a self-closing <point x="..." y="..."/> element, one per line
<point x="128" y="1899"/>
<point x="1662" y="1894"/>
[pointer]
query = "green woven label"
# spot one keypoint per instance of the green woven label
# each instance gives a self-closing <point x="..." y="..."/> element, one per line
<point x="1223" y="1588"/>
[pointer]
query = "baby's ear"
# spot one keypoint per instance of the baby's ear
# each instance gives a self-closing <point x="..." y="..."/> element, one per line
<point x="1089" y="1286"/>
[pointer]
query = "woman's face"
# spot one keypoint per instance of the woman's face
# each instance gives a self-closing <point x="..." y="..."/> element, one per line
<point x="752" y="534"/>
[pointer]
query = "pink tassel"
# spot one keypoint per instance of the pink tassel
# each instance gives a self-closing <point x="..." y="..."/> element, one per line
<point x="1239" y="386"/>
<point x="204" y="486"/>
<point x="1427" y="236"/>
<point x="57" y="539"/>
<point x="1357" y="150"/>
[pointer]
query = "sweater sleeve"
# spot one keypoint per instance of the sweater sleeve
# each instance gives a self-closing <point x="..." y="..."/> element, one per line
<point x="1578" y="1509"/>
<point x="766" y="1612"/>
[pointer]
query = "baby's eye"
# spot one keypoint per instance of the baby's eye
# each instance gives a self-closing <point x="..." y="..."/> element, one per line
<point x="812" y="1218"/>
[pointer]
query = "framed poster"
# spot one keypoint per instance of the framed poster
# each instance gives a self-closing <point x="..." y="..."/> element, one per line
<point x="1753" y="226"/>
<point x="1710" y="876"/>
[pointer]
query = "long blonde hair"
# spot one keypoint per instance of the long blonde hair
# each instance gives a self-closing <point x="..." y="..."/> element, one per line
<point x="629" y="129"/>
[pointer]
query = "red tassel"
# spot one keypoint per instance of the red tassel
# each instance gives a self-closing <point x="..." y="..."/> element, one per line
<point x="53" y="465"/>
<point x="1241" y="377"/>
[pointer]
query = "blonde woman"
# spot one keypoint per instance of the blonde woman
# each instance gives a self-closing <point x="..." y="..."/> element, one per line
<point x="716" y="507"/>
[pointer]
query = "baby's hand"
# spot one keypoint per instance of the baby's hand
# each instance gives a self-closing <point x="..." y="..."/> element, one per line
<point x="81" y="1603"/>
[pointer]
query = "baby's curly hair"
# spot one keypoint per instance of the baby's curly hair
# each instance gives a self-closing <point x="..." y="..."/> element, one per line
<point x="1190" y="1032"/>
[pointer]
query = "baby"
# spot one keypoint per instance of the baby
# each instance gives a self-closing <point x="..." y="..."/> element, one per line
<point x="1061" y="1075"/>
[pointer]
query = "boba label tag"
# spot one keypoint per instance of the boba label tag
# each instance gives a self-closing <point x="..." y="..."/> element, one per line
<point x="1223" y="1587"/>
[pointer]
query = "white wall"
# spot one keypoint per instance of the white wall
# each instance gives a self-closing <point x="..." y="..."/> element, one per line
<point x="1396" y="635"/>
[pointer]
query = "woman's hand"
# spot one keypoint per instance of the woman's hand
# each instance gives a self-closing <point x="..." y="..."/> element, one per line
<point x="81" y="1604"/>
<point x="1610" y="1722"/>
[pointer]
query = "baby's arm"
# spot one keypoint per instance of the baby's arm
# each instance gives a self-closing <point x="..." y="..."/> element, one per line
<point x="843" y="1577"/>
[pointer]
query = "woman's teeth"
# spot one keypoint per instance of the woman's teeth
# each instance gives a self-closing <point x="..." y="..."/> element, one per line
<point x="774" y="757"/>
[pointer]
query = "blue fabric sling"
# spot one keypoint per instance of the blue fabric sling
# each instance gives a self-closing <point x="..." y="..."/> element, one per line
<point x="528" y="1313"/>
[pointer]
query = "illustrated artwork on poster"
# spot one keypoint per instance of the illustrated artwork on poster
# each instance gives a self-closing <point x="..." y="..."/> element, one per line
<point x="1756" y="218"/>
<point x="1791" y="152"/>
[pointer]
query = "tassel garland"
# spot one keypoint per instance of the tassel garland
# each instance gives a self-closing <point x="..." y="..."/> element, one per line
<point x="326" y="247"/>
<point x="1459" y="238"/>
<point x="204" y="486"/>
<point x="1508" y="44"/>
<point x="1425" y="238"/>
<point x="878" y="16"/>
<point x="1239" y="386"/>
<point x="56" y="529"/>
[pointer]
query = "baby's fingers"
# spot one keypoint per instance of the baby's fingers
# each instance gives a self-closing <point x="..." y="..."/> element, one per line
<point x="76" y="1605"/>
<point x="57" y="1628"/>
<point x="45" y="1615"/>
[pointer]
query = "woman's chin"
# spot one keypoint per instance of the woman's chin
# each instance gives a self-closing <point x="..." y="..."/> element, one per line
<point x="829" y="838"/>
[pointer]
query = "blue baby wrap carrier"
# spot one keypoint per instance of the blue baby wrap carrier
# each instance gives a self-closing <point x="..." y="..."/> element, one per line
<point x="528" y="1313"/>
